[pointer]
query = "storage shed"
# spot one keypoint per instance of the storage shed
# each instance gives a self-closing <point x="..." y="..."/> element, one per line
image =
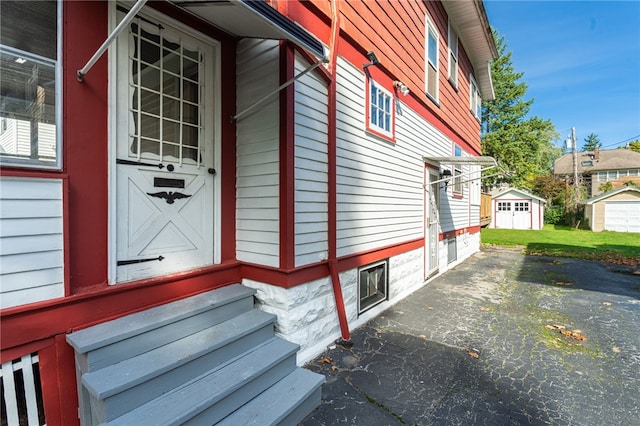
<point x="514" y="208"/>
<point x="617" y="210"/>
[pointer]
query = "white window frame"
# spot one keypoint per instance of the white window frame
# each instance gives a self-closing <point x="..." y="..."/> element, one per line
<point x="431" y="29"/>
<point x="475" y="100"/>
<point x="457" y="171"/>
<point x="453" y="56"/>
<point x="375" y="127"/>
<point x="57" y="63"/>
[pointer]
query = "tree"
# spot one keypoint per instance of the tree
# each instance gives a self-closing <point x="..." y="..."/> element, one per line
<point x="591" y="142"/>
<point x="522" y="145"/>
<point x="634" y="146"/>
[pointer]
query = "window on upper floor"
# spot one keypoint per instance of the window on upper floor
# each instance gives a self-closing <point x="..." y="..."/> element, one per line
<point x="476" y="101"/>
<point x="380" y="110"/>
<point x="453" y="56"/>
<point x="29" y="83"/>
<point x="431" y="65"/>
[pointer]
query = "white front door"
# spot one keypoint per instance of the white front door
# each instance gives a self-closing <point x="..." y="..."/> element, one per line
<point x="432" y="212"/>
<point x="166" y="133"/>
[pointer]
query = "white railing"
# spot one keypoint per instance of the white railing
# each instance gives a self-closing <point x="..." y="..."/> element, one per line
<point x="21" y="389"/>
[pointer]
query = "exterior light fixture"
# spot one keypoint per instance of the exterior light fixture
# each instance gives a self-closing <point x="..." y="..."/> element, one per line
<point x="445" y="175"/>
<point x="373" y="60"/>
<point x="401" y="87"/>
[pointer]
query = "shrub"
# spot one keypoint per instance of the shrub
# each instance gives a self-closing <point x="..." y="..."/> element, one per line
<point x="554" y="215"/>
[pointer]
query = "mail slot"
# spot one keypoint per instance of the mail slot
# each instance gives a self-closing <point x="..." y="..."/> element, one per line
<point x="168" y="183"/>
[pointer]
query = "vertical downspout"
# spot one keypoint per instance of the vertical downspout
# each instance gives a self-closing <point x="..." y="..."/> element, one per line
<point x="331" y="180"/>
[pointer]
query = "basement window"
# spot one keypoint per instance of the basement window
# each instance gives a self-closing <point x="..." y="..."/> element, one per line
<point x="452" y="250"/>
<point x="373" y="285"/>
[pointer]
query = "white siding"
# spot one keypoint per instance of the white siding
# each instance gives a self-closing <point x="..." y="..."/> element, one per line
<point x="311" y="170"/>
<point x="257" y="220"/>
<point x="380" y="194"/>
<point x="31" y="240"/>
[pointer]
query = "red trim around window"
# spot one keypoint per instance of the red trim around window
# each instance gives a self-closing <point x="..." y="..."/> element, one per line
<point x="373" y="130"/>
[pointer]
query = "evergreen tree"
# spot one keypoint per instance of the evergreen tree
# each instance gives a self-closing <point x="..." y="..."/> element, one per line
<point x="522" y="145"/>
<point x="591" y="142"/>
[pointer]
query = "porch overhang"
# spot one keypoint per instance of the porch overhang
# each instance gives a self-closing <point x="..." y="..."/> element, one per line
<point x="485" y="162"/>
<point x="253" y="19"/>
<point x="464" y="161"/>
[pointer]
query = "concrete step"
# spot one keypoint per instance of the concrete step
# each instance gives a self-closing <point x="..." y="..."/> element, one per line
<point x="119" y="388"/>
<point x="211" y="397"/>
<point x="114" y="341"/>
<point x="285" y="403"/>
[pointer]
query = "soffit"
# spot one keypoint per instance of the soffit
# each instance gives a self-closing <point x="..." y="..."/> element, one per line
<point x="470" y="21"/>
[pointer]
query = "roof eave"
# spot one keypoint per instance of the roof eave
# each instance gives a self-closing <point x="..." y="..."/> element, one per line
<point x="470" y="20"/>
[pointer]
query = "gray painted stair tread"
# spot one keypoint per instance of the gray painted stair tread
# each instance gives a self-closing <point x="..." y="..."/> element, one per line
<point x="274" y="405"/>
<point x="181" y="404"/>
<point x="121" y="328"/>
<point x="116" y="378"/>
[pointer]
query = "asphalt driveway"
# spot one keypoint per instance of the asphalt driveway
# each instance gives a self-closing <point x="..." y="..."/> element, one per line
<point x="502" y="339"/>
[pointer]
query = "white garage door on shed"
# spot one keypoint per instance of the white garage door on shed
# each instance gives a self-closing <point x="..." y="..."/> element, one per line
<point x="622" y="216"/>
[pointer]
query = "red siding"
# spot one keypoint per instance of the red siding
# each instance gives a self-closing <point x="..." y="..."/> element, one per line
<point x="395" y="30"/>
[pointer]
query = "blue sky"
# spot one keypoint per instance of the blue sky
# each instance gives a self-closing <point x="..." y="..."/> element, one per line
<point x="581" y="62"/>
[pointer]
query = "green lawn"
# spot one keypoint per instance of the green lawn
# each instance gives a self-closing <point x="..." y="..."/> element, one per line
<point x="553" y="240"/>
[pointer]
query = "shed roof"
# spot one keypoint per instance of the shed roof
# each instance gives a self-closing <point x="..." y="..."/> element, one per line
<point x="610" y="194"/>
<point x="502" y="191"/>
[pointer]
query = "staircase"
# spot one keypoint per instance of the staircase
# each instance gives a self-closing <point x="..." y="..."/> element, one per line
<point x="207" y="359"/>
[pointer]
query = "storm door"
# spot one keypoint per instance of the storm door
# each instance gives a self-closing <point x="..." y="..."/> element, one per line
<point x="166" y="132"/>
<point x="432" y="209"/>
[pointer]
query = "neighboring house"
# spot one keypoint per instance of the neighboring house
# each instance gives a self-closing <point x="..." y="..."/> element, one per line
<point x="295" y="147"/>
<point x="600" y="166"/>
<point x="514" y="208"/>
<point x="616" y="210"/>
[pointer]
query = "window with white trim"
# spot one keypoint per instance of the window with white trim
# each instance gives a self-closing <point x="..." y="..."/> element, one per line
<point x="457" y="171"/>
<point x="380" y="114"/>
<point x="453" y="56"/>
<point x="30" y="83"/>
<point x="476" y="101"/>
<point x="373" y="285"/>
<point x="431" y="54"/>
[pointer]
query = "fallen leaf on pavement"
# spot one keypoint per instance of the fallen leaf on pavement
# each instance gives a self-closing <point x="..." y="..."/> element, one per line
<point x="326" y="360"/>
<point x="485" y="309"/>
<point x="573" y="335"/>
<point x="473" y="354"/>
<point x="616" y="349"/>
<point x="606" y="303"/>
<point x="430" y="308"/>
<point x="334" y="368"/>
<point x="555" y="327"/>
